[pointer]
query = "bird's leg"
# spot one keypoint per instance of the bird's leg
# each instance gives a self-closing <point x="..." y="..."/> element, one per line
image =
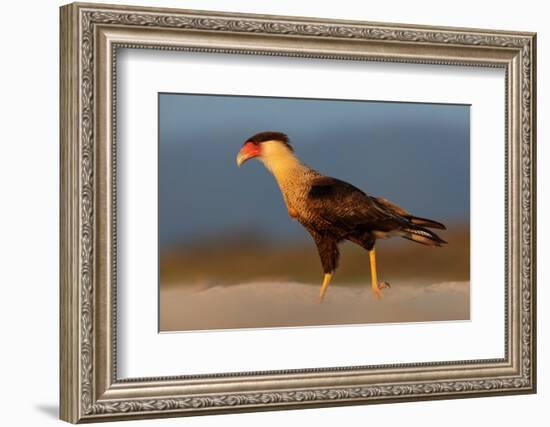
<point x="326" y="282"/>
<point x="376" y="287"/>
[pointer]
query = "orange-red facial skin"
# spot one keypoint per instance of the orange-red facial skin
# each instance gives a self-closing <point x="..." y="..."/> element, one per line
<point x="249" y="150"/>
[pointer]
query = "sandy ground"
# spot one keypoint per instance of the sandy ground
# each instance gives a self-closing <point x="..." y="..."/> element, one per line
<point x="268" y="304"/>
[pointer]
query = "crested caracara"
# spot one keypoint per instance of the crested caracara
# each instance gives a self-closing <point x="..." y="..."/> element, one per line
<point x="332" y="210"/>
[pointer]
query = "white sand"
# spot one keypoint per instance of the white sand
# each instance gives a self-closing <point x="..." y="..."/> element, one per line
<point x="269" y="304"/>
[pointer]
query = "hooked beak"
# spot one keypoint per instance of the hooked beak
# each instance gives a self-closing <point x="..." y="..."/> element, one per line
<point x="241" y="158"/>
<point x="247" y="152"/>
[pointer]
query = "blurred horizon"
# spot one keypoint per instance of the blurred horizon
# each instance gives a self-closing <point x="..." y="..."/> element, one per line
<point x="415" y="155"/>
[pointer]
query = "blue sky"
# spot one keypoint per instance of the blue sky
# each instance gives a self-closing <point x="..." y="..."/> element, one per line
<point x="416" y="155"/>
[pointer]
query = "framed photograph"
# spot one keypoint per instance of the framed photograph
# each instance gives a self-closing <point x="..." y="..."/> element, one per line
<point x="267" y="212"/>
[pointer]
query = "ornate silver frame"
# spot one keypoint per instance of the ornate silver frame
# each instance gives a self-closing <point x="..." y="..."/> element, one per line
<point x="90" y="36"/>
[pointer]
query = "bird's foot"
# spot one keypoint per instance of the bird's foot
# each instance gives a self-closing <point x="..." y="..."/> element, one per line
<point x="377" y="290"/>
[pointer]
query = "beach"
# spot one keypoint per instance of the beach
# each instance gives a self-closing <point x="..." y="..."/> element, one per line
<point x="285" y="304"/>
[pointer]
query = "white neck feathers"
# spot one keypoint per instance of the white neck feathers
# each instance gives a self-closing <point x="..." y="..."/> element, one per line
<point x="280" y="161"/>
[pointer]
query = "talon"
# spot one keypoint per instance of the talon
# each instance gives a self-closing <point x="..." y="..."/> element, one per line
<point x="383" y="285"/>
<point x="377" y="291"/>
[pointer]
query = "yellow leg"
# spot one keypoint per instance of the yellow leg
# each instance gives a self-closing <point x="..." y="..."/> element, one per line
<point x="374" y="280"/>
<point x="326" y="282"/>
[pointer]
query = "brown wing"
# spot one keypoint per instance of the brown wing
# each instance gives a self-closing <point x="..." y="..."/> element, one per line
<point x="416" y="220"/>
<point x="386" y="203"/>
<point x="347" y="207"/>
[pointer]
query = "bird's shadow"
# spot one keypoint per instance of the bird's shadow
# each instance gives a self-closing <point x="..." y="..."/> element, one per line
<point x="49" y="409"/>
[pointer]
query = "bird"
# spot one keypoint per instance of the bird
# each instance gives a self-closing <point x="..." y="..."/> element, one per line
<point x="332" y="210"/>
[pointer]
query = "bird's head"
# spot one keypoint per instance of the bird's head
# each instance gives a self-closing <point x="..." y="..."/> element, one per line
<point x="265" y="146"/>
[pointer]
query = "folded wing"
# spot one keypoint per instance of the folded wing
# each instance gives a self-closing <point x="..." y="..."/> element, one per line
<point x="350" y="211"/>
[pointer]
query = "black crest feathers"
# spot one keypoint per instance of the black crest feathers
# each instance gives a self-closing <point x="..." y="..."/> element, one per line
<point x="270" y="136"/>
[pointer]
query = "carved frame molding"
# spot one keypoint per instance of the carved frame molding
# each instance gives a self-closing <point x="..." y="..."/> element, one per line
<point x="90" y="37"/>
